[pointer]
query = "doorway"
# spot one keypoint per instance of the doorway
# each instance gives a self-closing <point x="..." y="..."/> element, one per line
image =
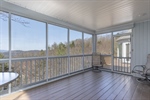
<point x="122" y="52"/>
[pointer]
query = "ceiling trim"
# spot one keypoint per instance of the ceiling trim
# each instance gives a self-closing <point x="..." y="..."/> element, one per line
<point x="119" y="27"/>
<point x="14" y="9"/>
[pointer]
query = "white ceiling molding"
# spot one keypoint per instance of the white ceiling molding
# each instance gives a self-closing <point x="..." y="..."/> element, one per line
<point x="116" y="28"/>
<point x="14" y="9"/>
<point x="142" y="21"/>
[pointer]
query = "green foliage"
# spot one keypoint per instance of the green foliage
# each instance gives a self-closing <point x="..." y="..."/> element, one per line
<point x="72" y="44"/>
<point x="1" y="56"/>
<point x="61" y="49"/>
<point x="54" y="46"/>
<point x="42" y="52"/>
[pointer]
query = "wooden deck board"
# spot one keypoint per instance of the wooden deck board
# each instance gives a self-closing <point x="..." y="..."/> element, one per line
<point x="83" y="89"/>
<point x="103" y="91"/>
<point x="77" y="88"/>
<point x="87" y="86"/>
<point x="124" y="90"/>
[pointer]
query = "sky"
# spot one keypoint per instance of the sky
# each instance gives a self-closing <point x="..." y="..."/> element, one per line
<point x="27" y="34"/>
<point x="3" y="37"/>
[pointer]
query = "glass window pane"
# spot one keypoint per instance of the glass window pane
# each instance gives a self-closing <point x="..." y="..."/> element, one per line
<point x="104" y="47"/>
<point x="104" y="43"/>
<point x="4" y="41"/>
<point x="121" y="39"/>
<point x="28" y="37"/>
<point x="57" y="40"/>
<point x="87" y="43"/>
<point x="75" y="42"/>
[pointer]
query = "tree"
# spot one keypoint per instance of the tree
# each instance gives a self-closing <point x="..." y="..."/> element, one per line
<point x="5" y="65"/>
<point x="5" y="17"/>
<point x="42" y="52"/>
<point x="54" y="46"/>
<point x="1" y="56"/>
<point x="61" y="49"/>
<point x="72" y="44"/>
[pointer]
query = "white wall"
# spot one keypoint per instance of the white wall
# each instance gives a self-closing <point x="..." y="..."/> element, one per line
<point x="140" y="43"/>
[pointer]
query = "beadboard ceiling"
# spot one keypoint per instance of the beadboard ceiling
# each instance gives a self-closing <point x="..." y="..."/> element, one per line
<point x="91" y="14"/>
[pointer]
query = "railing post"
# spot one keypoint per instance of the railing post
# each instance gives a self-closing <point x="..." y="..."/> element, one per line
<point x="31" y="71"/>
<point x="112" y="51"/>
<point x="68" y="50"/>
<point x="46" y="51"/>
<point x="9" y="29"/>
<point x="83" y="51"/>
<point x="94" y="40"/>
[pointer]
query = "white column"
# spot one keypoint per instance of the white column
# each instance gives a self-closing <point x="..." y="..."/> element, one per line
<point x="46" y="51"/>
<point x="83" y="50"/>
<point x="68" y="50"/>
<point x="9" y="30"/>
<point x="94" y="41"/>
<point x="112" y="51"/>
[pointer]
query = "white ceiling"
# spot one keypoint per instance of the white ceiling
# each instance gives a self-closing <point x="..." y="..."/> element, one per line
<point x="91" y="14"/>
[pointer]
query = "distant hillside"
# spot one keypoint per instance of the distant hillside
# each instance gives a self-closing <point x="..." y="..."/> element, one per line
<point x="56" y="49"/>
<point x="20" y="53"/>
<point x="2" y="51"/>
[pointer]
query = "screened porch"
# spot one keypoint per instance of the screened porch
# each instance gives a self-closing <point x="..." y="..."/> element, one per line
<point x="50" y="45"/>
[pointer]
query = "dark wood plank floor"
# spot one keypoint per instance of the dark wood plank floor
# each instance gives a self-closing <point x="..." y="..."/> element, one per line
<point x="88" y="86"/>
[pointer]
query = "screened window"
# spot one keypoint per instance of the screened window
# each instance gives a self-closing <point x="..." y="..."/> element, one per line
<point x="28" y="37"/>
<point x="87" y="43"/>
<point x="104" y="43"/>
<point x="57" y="40"/>
<point x="75" y="42"/>
<point x="4" y="35"/>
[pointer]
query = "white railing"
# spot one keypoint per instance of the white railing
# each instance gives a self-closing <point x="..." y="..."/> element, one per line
<point x="122" y="64"/>
<point x="33" y="70"/>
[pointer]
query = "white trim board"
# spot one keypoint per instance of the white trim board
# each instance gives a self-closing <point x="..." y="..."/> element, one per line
<point x="115" y="28"/>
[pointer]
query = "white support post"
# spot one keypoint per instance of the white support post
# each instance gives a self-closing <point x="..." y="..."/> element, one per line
<point x="68" y="50"/>
<point x="94" y="40"/>
<point x="112" y="51"/>
<point x="9" y="30"/>
<point x="131" y="41"/>
<point x="83" y="50"/>
<point x="46" y="51"/>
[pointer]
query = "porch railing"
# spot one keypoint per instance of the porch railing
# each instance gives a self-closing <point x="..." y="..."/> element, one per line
<point x="122" y="64"/>
<point x="33" y="70"/>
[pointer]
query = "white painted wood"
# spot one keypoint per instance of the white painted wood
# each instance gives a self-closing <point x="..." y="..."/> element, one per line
<point x="9" y="30"/>
<point x="94" y="41"/>
<point x="83" y="50"/>
<point x="47" y="72"/>
<point x="141" y="43"/>
<point x="8" y="7"/>
<point x="90" y="14"/>
<point x="112" y="51"/>
<point x="68" y="51"/>
<point x="115" y="28"/>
